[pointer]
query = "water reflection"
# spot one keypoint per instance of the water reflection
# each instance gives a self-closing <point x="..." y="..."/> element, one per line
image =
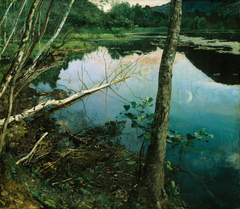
<point x="197" y="102"/>
<point x="223" y="68"/>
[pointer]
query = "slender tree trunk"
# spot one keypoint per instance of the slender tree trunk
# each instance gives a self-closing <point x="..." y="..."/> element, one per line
<point x="5" y="15"/>
<point x="153" y="179"/>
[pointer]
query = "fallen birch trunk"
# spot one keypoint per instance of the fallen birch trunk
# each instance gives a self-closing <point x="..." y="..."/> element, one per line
<point x="56" y="103"/>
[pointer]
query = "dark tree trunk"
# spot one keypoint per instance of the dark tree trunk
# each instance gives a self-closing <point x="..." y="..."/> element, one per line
<point x="153" y="179"/>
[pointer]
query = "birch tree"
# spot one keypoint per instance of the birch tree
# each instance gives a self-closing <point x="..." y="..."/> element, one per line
<point x="25" y="50"/>
<point x="20" y="73"/>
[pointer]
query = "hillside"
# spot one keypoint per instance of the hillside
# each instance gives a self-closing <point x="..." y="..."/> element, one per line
<point x="206" y="6"/>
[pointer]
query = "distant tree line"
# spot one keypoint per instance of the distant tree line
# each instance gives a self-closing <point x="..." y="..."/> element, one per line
<point x="200" y="20"/>
<point x="85" y="14"/>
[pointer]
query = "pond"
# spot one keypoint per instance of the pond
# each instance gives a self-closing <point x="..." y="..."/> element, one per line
<point x="205" y="94"/>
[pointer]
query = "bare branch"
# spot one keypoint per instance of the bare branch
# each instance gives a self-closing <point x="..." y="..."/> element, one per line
<point x="35" y="146"/>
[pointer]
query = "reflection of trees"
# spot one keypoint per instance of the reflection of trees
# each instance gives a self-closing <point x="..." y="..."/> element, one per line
<point x="221" y="67"/>
<point x="52" y="76"/>
<point x="49" y="77"/>
<point x="118" y="49"/>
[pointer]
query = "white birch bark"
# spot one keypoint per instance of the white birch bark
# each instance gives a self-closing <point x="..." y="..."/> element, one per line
<point x="5" y="15"/>
<point x="56" y="103"/>
<point x="14" y="66"/>
<point x="14" y="28"/>
<point x="56" y="34"/>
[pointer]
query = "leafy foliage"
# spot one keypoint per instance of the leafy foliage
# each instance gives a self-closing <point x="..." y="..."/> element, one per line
<point x="186" y="144"/>
<point x="142" y="118"/>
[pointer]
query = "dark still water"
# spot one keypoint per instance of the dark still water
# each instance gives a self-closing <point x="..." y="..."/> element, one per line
<point x="201" y="98"/>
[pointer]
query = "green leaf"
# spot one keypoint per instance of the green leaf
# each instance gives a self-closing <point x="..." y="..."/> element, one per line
<point x="134" y="124"/>
<point x="147" y="135"/>
<point x="169" y="141"/>
<point x="204" y="129"/>
<point x="170" y="135"/>
<point x="149" y="99"/>
<point x="144" y="120"/>
<point x="173" y="184"/>
<point x="126" y="107"/>
<point x="125" y="155"/>
<point x="139" y="136"/>
<point x="86" y="192"/>
<point x="91" y="170"/>
<point x="197" y="135"/>
<point x="139" y="118"/>
<point x="190" y="144"/>
<point x="149" y="125"/>
<point x="190" y="137"/>
<point x="149" y="141"/>
<point x="137" y="204"/>
<point x="129" y="115"/>
<point x="122" y="163"/>
<point x="152" y="115"/>
<point x="182" y="151"/>
<point x="169" y="166"/>
<point x="211" y="135"/>
<point x="133" y="104"/>
<point x="203" y="133"/>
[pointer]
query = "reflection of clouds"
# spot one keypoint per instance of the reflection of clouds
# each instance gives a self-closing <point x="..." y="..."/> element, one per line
<point x="95" y="66"/>
<point x="233" y="160"/>
<point x="218" y="98"/>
